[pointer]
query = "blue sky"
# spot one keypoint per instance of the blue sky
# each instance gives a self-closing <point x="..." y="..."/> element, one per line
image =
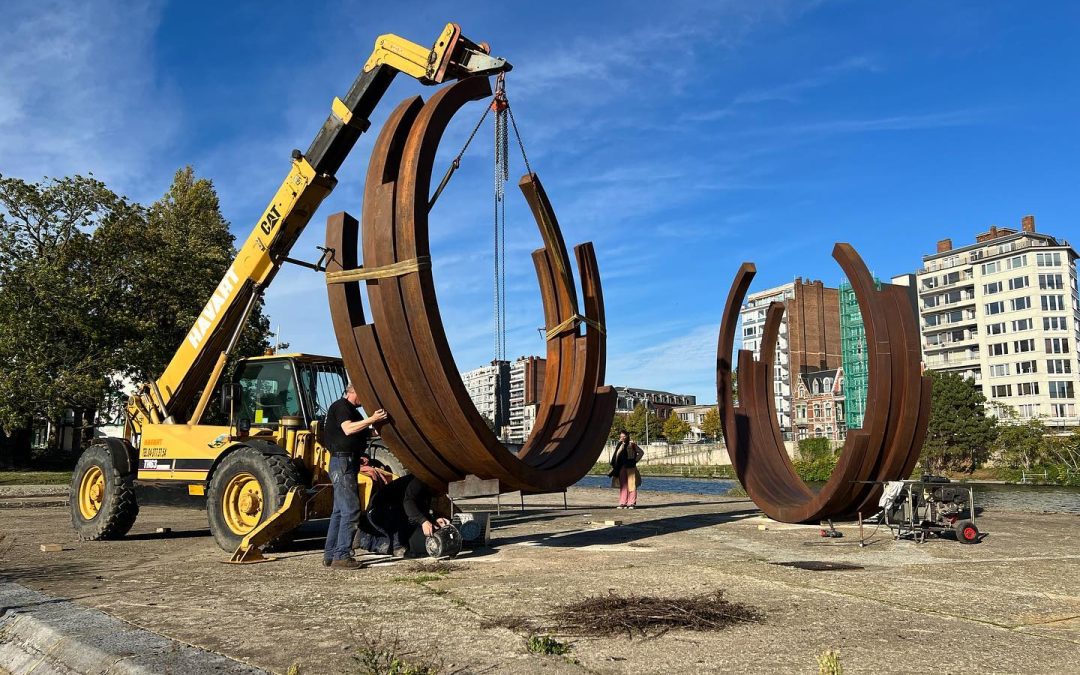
<point x="681" y="141"/>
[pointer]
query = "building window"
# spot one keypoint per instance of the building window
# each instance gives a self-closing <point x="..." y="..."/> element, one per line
<point x="1026" y="367"/>
<point x="1027" y="389"/>
<point x="990" y="289"/>
<point x="1022" y="346"/>
<point x="999" y="349"/>
<point x="1051" y="282"/>
<point x="1021" y="325"/>
<point x="996" y="328"/>
<point x="1053" y="303"/>
<point x="1061" y="389"/>
<point x="999" y="370"/>
<point x="1057" y="345"/>
<point x="1017" y="283"/>
<point x="1016" y="262"/>
<point x="1062" y="410"/>
<point x="1052" y="259"/>
<point x="995" y="307"/>
<point x="1059" y="366"/>
<point x="1055" y="323"/>
<point x="991" y="267"/>
<point x="1001" y="390"/>
<point x="1029" y="410"/>
<point x="1018" y="304"/>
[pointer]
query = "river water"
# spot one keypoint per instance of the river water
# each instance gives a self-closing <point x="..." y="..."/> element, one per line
<point x="989" y="496"/>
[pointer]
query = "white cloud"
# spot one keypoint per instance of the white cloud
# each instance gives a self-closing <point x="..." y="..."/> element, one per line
<point x="80" y="94"/>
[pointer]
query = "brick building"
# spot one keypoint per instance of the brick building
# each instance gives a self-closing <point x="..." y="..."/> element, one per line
<point x="809" y="338"/>
<point x="819" y="405"/>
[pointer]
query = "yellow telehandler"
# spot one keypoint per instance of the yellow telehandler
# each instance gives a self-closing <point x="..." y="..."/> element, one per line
<point x="265" y="470"/>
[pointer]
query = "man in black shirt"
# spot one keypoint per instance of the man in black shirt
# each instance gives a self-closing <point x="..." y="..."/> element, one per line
<point x="346" y="433"/>
<point x="402" y="510"/>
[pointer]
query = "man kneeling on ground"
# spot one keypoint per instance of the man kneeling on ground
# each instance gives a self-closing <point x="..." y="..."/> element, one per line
<point x="402" y="513"/>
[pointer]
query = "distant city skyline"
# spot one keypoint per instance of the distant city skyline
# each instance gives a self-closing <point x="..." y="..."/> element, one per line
<point x="680" y="142"/>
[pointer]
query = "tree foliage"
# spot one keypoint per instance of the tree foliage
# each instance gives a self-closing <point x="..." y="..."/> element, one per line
<point x="960" y="433"/>
<point x="94" y="288"/>
<point x="634" y="423"/>
<point x="675" y="428"/>
<point x="710" y="424"/>
<point x="1019" y="443"/>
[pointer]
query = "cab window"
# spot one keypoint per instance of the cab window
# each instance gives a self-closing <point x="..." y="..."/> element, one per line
<point x="268" y="392"/>
<point x="323" y="383"/>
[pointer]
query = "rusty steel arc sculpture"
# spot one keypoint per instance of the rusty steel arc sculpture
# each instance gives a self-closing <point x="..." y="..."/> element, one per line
<point x="401" y="360"/>
<point x="897" y="406"/>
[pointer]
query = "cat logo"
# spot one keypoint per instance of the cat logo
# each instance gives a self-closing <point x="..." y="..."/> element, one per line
<point x="271" y="219"/>
<point x="218" y="442"/>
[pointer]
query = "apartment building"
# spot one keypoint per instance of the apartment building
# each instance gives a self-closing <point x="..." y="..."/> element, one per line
<point x="488" y="387"/>
<point x="526" y="384"/>
<point x="1004" y="312"/>
<point x="820" y="405"/>
<point x="660" y="402"/>
<point x="809" y="338"/>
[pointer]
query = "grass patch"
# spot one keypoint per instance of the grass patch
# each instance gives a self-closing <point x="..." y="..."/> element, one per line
<point x="384" y="656"/>
<point x="546" y="645"/>
<point x="829" y="663"/>
<point x="418" y="579"/>
<point x="35" y="477"/>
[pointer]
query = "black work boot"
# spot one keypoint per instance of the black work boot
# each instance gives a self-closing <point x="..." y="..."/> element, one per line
<point x="345" y="564"/>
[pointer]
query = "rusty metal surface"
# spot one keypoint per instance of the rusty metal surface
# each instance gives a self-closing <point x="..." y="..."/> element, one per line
<point x="897" y="407"/>
<point x="399" y="358"/>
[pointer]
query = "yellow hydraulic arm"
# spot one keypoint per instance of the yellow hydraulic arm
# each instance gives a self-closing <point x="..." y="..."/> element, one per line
<point x="197" y="364"/>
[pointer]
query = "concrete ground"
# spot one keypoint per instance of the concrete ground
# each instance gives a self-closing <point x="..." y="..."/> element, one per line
<point x="1009" y="604"/>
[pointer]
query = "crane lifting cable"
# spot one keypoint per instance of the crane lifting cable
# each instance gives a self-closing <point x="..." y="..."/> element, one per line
<point x="504" y="121"/>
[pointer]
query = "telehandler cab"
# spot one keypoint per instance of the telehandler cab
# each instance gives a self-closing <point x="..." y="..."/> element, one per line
<point x="264" y="471"/>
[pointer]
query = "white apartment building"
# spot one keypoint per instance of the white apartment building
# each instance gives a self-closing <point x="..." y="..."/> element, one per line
<point x="1004" y="312"/>
<point x="487" y="387"/>
<point x="526" y="388"/>
<point x="752" y="320"/>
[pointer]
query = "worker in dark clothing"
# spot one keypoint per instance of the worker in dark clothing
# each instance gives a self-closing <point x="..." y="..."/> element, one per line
<point x="402" y="512"/>
<point x="346" y="433"/>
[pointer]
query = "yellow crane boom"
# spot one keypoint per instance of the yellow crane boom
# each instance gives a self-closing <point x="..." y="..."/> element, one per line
<point x="181" y="393"/>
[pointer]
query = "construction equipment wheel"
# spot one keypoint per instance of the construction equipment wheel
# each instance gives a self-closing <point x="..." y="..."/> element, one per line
<point x="103" y="504"/>
<point x="245" y="490"/>
<point x="966" y="532"/>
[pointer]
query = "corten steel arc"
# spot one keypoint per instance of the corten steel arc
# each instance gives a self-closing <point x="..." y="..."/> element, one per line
<point x="897" y="406"/>
<point x="401" y="360"/>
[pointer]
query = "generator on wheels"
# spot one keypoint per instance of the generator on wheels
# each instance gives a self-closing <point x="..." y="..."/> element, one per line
<point x="933" y="505"/>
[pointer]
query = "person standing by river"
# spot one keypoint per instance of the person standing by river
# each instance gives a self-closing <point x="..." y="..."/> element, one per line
<point x="624" y="471"/>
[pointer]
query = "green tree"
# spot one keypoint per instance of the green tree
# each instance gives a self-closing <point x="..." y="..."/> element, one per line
<point x="59" y="327"/>
<point x="675" y="428"/>
<point x="635" y="424"/>
<point x="710" y="424"/>
<point x="618" y="424"/>
<point x="1019" y="443"/>
<point x="168" y="267"/>
<point x="960" y="433"/>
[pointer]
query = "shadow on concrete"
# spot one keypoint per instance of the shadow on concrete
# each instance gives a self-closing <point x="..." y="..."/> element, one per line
<point x="172" y="534"/>
<point x="628" y="532"/>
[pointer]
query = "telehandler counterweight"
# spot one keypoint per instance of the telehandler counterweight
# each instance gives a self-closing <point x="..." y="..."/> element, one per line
<point x="265" y="470"/>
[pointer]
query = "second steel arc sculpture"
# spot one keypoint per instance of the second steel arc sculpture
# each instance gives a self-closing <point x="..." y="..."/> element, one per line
<point x="897" y="406"/>
<point x="401" y="361"/>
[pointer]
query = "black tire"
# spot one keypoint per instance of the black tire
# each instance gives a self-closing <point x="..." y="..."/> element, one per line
<point x="118" y="507"/>
<point x="276" y="475"/>
<point x="966" y="532"/>
<point x="380" y="453"/>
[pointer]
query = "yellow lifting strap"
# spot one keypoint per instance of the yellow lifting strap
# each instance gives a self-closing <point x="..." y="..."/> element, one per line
<point x="398" y="269"/>
<point x="554" y="332"/>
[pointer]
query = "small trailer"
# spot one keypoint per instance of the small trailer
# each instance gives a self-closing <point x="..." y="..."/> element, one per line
<point x="915" y="509"/>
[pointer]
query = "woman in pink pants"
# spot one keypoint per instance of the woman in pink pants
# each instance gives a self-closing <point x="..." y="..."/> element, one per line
<point x="624" y="470"/>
